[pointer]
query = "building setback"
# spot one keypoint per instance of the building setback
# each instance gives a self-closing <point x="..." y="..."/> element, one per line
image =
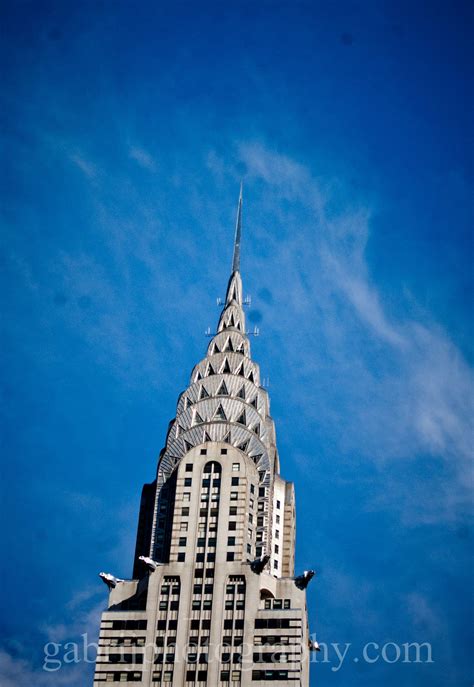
<point x="214" y="600"/>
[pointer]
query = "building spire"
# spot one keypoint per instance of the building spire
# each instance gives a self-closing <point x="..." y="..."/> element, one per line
<point x="238" y="234"/>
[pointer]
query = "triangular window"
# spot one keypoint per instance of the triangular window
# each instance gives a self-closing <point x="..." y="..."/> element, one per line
<point x="241" y="348"/>
<point x="186" y="403"/>
<point x="237" y="324"/>
<point x="244" y="445"/>
<point x="222" y="391"/>
<point x="241" y="393"/>
<point x="187" y="445"/>
<point x="251" y="379"/>
<point x="256" y="429"/>
<point x="197" y="419"/>
<point x="220" y="415"/>
<point x="215" y="349"/>
<point x="231" y="320"/>
<point x="241" y="371"/>
<point x="226" y="439"/>
<point x="198" y="377"/>
<point x="226" y="368"/>
<point x="206" y="437"/>
<point x="254" y="402"/>
<point x="228" y="346"/>
<point x="203" y="393"/>
<point x="210" y="370"/>
<point x="256" y="458"/>
<point x="241" y="419"/>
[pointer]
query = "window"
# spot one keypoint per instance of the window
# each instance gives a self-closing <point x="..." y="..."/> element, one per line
<point x="182" y="541"/>
<point x="223" y="451"/>
<point x="261" y="491"/>
<point x="206" y="605"/>
<point x="185" y="511"/>
<point x="275" y="564"/>
<point x="268" y="603"/>
<point x="208" y="588"/>
<point x="211" y="557"/>
<point x="251" y="502"/>
<point x="232" y="525"/>
<point x="181" y="557"/>
<point x="230" y="555"/>
<point x="277" y="519"/>
<point x="199" y="558"/>
<point x="234" y="495"/>
<point x="278" y="505"/>
<point x="235" y="467"/>
<point x="250" y="517"/>
<point x="249" y="548"/>
<point x="189" y="467"/>
<point x="277" y="604"/>
<point x="277" y="534"/>
<point x="203" y="452"/>
<point x="225" y="675"/>
<point x="188" y="481"/>
<point x="277" y="548"/>
<point x="235" y="481"/>
<point x="249" y="532"/>
<point x="233" y="510"/>
<point x="286" y="603"/>
<point x="186" y="496"/>
<point x="235" y="675"/>
<point x="197" y="589"/>
<point x="230" y="541"/>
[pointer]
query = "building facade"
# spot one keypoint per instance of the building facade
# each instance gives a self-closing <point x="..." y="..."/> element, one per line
<point x="214" y="599"/>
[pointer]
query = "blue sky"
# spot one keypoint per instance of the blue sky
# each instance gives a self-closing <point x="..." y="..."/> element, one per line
<point x="126" y="128"/>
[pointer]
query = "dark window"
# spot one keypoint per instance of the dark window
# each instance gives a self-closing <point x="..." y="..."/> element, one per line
<point x="223" y="451"/>
<point x="228" y="624"/>
<point x="225" y="675"/>
<point x="204" y="452"/>
<point x="194" y="624"/>
<point x="232" y="525"/>
<point x="184" y="511"/>
<point x="239" y="624"/>
<point x="197" y="589"/>
<point x="230" y="555"/>
<point x="199" y="572"/>
<point x="209" y="572"/>
<point x="211" y="557"/>
<point x="230" y="541"/>
<point x="172" y="625"/>
<point x="208" y="588"/>
<point x="278" y="504"/>
<point x="188" y="481"/>
<point x="182" y="541"/>
<point x="252" y="489"/>
<point x="202" y="675"/>
<point x="233" y="510"/>
<point x="189" y="467"/>
<point x="191" y="676"/>
<point x="235" y="481"/>
<point x="206" y="624"/>
<point x="199" y="558"/>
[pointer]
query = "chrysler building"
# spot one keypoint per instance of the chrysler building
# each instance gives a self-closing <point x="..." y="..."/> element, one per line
<point x="214" y="600"/>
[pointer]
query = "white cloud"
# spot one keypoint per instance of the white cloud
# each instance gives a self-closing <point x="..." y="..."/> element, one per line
<point x="143" y="158"/>
<point x="400" y="386"/>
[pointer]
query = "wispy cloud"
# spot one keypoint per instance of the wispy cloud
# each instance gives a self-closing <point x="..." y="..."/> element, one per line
<point x="143" y="158"/>
<point x="404" y="388"/>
